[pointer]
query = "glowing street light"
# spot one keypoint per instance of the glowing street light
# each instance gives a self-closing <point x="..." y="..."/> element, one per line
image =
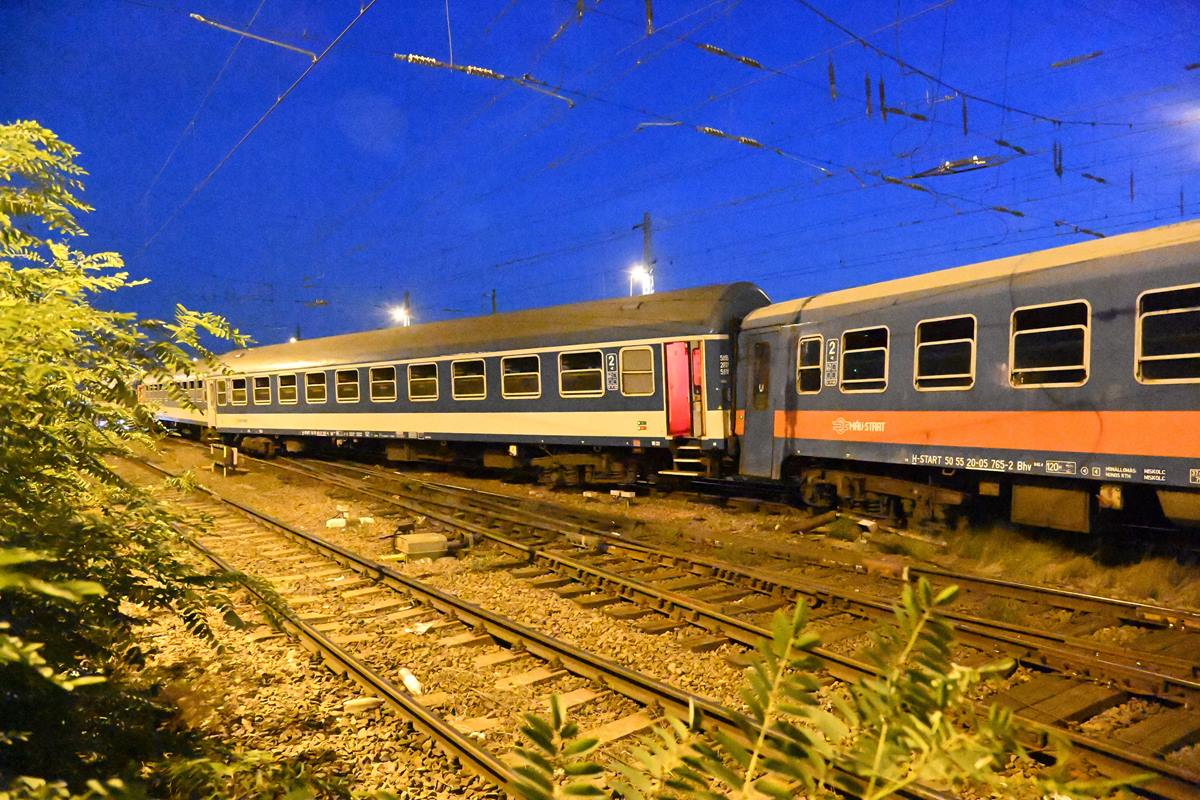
<point x="401" y="315"/>
<point x="642" y="278"/>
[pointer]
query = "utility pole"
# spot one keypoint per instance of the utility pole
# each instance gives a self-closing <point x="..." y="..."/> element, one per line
<point x="648" y="260"/>
<point x="493" y="301"/>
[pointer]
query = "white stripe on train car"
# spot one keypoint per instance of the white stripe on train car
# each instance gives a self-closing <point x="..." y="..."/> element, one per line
<point x="578" y="424"/>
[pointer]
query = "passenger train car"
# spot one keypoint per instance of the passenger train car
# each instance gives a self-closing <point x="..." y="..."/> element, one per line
<point x="1061" y="382"/>
<point x="577" y="393"/>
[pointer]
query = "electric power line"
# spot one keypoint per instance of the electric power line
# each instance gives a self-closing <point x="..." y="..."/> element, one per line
<point x="278" y="101"/>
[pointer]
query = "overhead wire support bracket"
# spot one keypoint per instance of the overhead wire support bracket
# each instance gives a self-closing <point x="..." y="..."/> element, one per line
<point x="960" y="165"/>
<point x="525" y="81"/>
<point x="199" y="187"/>
<point x="248" y="35"/>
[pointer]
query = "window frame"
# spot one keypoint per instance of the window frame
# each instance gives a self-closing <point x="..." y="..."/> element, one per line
<point x="1087" y="345"/>
<point x="337" y="373"/>
<point x="437" y="385"/>
<point x="254" y="387"/>
<point x="600" y="369"/>
<point x="324" y="386"/>
<point x="887" y="360"/>
<point x="233" y="389"/>
<point x="371" y="384"/>
<point x="221" y="391"/>
<point x="521" y="395"/>
<point x="1138" y="358"/>
<point x="760" y="391"/>
<point x="454" y="379"/>
<point x="974" y="373"/>
<point x="621" y="371"/>
<point x="819" y="366"/>
<point x="295" y="388"/>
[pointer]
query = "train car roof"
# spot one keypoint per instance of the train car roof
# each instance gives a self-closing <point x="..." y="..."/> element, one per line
<point x="789" y="311"/>
<point x="686" y="312"/>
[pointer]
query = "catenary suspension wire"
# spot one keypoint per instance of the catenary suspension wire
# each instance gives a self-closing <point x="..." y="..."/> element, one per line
<point x="199" y="187"/>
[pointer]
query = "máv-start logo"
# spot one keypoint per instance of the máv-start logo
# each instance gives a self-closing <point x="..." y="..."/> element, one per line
<point x="841" y="425"/>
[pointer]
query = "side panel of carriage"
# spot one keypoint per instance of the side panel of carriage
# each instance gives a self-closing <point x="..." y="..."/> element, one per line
<point x="1083" y="373"/>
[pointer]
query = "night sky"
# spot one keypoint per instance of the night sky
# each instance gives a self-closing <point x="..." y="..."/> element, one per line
<point x="375" y="177"/>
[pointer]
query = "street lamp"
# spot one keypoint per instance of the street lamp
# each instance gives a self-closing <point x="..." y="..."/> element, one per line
<point x="401" y="315"/>
<point x="642" y="278"/>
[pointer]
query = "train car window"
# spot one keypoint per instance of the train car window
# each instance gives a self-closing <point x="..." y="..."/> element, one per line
<point x="422" y="382"/>
<point x="944" y="360"/>
<point x="809" y="364"/>
<point x="581" y="374"/>
<point x="383" y="384"/>
<point x="521" y="376"/>
<point x="864" y="360"/>
<point x="1168" y="335"/>
<point x="287" y="390"/>
<point x="262" y="390"/>
<point x="637" y="371"/>
<point x="238" y="391"/>
<point x="468" y="379"/>
<point x="760" y="375"/>
<point x="346" y="385"/>
<point x="1049" y="345"/>
<point x="222" y="393"/>
<point x="315" y="389"/>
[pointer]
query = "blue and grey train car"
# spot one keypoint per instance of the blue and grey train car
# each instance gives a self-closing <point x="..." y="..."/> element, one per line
<point x="1060" y="382"/>
<point x="179" y="400"/>
<point x="584" y="392"/>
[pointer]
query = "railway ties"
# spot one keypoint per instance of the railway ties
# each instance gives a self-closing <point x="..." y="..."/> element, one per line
<point x="724" y="603"/>
<point x="347" y="609"/>
<point x="362" y="616"/>
<point x="668" y="590"/>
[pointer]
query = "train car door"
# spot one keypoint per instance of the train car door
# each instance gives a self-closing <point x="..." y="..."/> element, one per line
<point x="679" y="388"/>
<point x="758" y="437"/>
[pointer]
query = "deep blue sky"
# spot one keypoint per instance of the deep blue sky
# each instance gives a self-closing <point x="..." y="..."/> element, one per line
<point x="375" y="177"/>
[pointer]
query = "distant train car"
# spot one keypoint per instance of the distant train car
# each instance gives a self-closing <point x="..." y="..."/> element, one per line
<point x="1060" y="382"/>
<point x="165" y="394"/>
<point x="596" y="391"/>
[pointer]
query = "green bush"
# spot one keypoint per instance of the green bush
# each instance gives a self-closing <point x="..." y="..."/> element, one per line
<point x="80" y="548"/>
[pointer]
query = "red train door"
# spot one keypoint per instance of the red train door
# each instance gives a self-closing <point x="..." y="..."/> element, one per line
<point x="679" y="388"/>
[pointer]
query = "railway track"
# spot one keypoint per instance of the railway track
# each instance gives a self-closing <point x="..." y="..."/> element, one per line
<point x="1071" y="682"/>
<point x="354" y="603"/>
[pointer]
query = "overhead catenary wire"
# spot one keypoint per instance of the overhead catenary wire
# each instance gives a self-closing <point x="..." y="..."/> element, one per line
<point x="245" y="34"/>
<point x="823" y="165"/>
<point x="865" y="42"/>
<point x="199" y="187"/>
<point x="1004" y="211"/>
<point x="191" y="125"/>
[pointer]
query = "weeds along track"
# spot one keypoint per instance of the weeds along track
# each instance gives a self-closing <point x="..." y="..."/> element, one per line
<point x="1125" y="711"/>
<point x="479" y="671"/>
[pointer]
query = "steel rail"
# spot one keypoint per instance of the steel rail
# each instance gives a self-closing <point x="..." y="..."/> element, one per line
<point x="1138" y="672"/>
<point x="620" y="679"/>
<point x="475" y="758"/>
<point x="1131" y="610"/>
<point x="1170" y="781"/>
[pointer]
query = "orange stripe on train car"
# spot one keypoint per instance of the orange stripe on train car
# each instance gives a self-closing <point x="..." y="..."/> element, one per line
<point x="1174" y="434"/>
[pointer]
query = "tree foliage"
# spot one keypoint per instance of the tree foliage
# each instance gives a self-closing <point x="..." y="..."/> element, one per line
<point x="79" y="546"/>
<point x="912" y="724"/>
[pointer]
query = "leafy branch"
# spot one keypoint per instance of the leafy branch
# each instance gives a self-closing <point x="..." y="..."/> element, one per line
<point x="913" y="723"/>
